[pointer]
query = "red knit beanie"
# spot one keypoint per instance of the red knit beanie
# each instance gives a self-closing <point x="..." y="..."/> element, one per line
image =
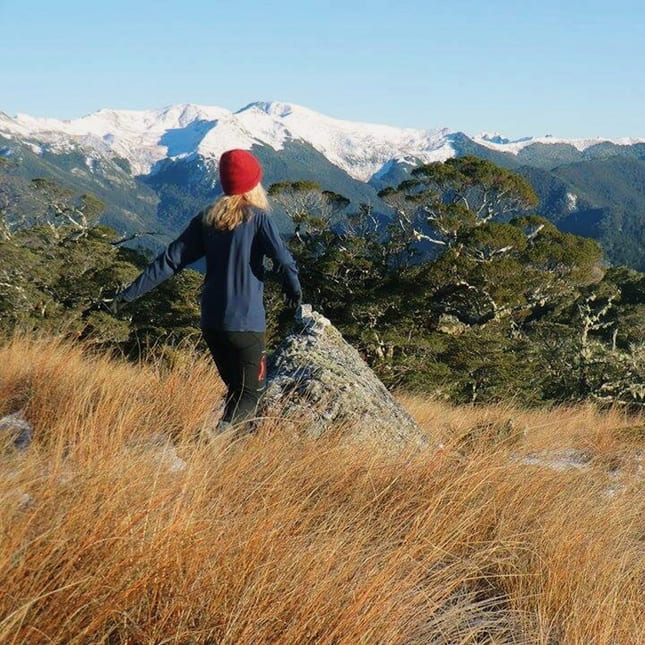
<point x="239" y="171"/>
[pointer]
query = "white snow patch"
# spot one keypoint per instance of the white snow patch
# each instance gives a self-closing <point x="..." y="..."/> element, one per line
<point x="243" y="130"/>
<point x="34" y="147"/>
<point x="492" y="137"/>
<point x="514" y="147"/>
<point x="91" y="163"/>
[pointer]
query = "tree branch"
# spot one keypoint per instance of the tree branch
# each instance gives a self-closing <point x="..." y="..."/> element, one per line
<point x="134" y="236"/>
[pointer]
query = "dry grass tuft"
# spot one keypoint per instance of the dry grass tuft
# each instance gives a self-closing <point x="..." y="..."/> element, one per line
<point x="279" y="539"/>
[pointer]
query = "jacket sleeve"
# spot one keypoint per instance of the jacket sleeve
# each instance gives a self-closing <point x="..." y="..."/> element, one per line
<point x="274" y="248"/>
<point x="186" y="249"/>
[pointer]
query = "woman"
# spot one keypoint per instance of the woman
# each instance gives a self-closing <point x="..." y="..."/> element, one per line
<point x="235" y="233"/>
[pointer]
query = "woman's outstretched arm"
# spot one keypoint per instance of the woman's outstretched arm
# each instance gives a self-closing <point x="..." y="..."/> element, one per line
<point x="275" y="248"/>
<point x="186" y="249"/>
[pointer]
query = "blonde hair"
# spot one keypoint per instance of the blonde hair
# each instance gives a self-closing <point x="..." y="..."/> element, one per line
<point x="229" y="211"/>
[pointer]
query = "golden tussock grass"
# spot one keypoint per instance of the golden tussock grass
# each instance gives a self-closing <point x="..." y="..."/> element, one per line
<point x="282" y="539"/>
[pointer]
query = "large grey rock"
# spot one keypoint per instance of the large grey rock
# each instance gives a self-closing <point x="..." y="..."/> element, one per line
<point x="318" y="380"/>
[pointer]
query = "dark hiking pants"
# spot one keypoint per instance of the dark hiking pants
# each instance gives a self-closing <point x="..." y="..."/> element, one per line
<point x="241" y="362"/>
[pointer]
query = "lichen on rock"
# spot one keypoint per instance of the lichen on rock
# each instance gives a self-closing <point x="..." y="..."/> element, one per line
<point x="320" y="381"/>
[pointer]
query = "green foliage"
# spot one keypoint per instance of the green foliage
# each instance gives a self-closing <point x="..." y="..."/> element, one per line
<point x="507" y="309"/>
<point x="169" y="314"/>
<point x="54" y="276"/>
<point x="443" y="200"/>
<point x="130" y="205"/>
<point x="609" y="201"/>
<point x="292" y="187"/>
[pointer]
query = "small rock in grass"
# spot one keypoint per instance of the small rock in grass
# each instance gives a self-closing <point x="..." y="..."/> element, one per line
<point x="16" y="430"/>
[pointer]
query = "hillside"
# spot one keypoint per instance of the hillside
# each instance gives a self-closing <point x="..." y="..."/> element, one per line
<point x="131" y="205"/>
<point x="512" y="527"/>
<point x="601" y="198"/>
<point x="155" y="168"/>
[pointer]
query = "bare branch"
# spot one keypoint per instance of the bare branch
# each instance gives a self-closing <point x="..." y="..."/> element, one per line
<point x="134" y="236"/>
<point x="534" y="233"/>
<point x="420" y="236"/>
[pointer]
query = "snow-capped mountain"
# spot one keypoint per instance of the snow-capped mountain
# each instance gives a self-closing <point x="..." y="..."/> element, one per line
<point x="144" y="138"/>
<point x="154" y="169"/>
<point x="498" y="142"/>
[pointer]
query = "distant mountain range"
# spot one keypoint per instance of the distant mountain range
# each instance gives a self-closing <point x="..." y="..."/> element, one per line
<point x="155" y="168"/>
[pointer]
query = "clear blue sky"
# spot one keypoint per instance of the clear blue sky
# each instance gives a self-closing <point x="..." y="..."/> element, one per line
<point x="568" y="67"/>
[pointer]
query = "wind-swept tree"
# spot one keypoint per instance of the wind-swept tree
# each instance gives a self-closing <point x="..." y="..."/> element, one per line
<point x="66" y="211"/>
<point x="440" y="200"/>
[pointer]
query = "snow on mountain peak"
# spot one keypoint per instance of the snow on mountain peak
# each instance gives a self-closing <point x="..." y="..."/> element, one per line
<point x="145" y="137"/>
<point x="515" y="146"/>
<point x="184" y="114"/>
<point x="492" y="137"/>
<point x="361" y="149"/>
<point x="272" y="108"/>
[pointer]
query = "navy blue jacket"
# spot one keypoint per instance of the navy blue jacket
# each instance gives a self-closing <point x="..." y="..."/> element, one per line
<point x="232" y="297"/>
